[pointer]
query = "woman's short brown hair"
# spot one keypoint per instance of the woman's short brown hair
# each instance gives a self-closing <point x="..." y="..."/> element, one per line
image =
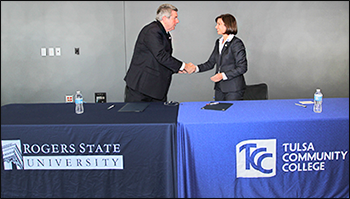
<point x="229" y="22"/>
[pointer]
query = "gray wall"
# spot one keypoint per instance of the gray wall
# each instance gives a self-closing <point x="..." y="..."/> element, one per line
<point x="294" y="47"/>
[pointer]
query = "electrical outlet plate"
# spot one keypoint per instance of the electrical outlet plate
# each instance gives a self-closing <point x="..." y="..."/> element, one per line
<point x="69" y="98"/>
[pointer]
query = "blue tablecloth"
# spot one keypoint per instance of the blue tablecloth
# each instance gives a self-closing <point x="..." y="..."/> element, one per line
<point x="48" y="151"/>
<point x="264" y="148"/>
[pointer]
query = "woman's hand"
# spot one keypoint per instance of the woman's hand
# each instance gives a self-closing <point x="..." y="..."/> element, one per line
<point x="216" y="78"/>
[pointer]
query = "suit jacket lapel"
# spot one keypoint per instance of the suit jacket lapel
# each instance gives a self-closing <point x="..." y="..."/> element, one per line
<point x="166" y="34"/>
<point x="224" y="48"/>
<point x="169" y="39"/>
<point x="226" y="45"/>
<point x="222" y="52"/>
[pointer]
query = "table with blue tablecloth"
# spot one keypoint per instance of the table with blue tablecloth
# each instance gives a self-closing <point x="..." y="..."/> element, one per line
<point x="48" y="151"/>
<point x="263" y="148"/>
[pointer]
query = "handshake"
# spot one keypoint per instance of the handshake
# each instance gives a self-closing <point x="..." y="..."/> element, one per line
<point x="189" y="68"/>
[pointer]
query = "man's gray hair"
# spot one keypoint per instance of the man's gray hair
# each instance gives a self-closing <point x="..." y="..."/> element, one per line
<point x="165" y="10"/>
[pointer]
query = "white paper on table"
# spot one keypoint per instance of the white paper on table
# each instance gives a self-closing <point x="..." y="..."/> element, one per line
<point x="306" y="102"/>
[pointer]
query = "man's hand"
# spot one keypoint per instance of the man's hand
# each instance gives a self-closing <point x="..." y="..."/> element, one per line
<point x="190" y="68"/>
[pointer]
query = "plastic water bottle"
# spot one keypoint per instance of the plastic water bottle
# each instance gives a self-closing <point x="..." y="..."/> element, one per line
<point x="318" y="101"/>
<point x="79" y="108"/>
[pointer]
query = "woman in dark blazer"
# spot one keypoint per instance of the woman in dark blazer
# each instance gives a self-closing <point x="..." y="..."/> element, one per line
<point x="229" y="55"/>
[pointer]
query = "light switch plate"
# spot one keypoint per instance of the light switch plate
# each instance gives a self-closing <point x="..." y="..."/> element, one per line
<point x="43" y="52"/>
<point x="58" y="51"/>
<point x="51" y="52"/>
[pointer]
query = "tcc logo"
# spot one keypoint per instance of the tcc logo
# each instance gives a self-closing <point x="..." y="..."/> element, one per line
<point x="256" y="158"/>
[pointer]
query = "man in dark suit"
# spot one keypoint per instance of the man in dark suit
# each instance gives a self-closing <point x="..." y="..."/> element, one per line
<point x="152" y="66"/>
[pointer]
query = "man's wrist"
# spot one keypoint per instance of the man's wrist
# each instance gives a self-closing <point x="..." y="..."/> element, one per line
<point x="183" y="66"/>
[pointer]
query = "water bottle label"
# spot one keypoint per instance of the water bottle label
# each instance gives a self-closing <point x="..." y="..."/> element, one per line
<point x="318" y="97"/>
<point x="78" y="101"/>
